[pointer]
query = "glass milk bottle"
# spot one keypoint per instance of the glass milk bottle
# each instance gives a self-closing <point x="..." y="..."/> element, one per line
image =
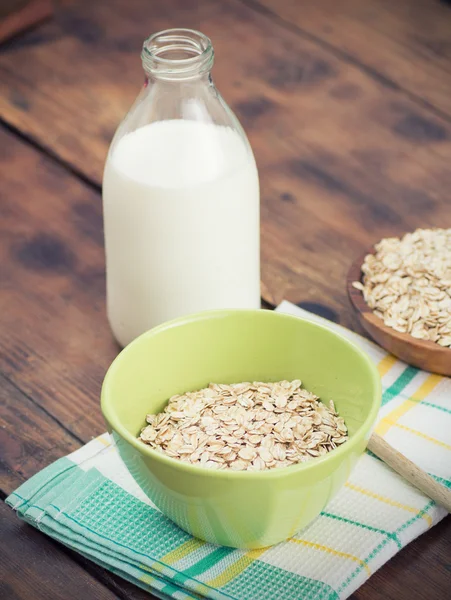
<point x="180" y="196"/>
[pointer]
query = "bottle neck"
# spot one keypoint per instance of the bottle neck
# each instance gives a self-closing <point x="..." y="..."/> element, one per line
<point x="172" y="84"/>
<point x="178" y="55"/>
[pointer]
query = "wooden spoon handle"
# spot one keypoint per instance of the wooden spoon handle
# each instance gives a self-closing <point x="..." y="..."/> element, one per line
<point x="407" y="469"/>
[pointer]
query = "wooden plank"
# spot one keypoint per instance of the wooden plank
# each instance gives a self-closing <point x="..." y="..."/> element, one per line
<point x="18" y="15"/>
<point x="55" y="344"/>
<point x="34" y="566"/>
<point x="403" y="44"/>
<point x="344" y="159"/>
<point x="29" y="438"/>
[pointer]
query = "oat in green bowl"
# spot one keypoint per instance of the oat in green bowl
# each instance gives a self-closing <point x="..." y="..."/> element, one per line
<point x="247" y="426"/>
<point x="242" y="508"/>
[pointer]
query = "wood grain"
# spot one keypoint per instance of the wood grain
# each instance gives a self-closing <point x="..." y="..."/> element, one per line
<point x="29" y="438"/>
<point x="18" y="15"/>
<point x="423" y="354"/>
<point x="55" y="344"/>
<point x="344" y="159"/>
<point x="404" y="44"/>
<point x="33" y="566"/>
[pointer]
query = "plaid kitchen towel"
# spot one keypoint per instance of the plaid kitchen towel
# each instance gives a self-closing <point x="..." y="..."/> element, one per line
<point x="89" y="502"/>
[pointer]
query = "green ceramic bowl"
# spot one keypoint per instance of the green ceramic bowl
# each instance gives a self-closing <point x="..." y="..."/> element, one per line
<point x="239" y="509"/>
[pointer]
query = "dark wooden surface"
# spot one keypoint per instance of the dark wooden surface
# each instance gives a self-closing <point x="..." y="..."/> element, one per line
<point x="348" y="108"/>
<point x="30" y="555"/>
<point x="18" y="15"/>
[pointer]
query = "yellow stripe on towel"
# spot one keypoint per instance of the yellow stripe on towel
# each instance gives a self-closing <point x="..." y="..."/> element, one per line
<point x="423" y="435"/>
<point x="146" y="578"/>
<point x="182" y="551"/>
<point x="386" y="364"/>
<point x="103" y="441"/>
<point x="389" y="501"/>
<point x="427" y="386"/>
<point x="333" y="551"/>
<point x="236" y="568"/>
<point x="422" y="392"/>
<point x="175" y="555"/>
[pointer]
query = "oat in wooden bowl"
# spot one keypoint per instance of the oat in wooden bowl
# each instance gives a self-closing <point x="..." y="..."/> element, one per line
<point x="246" y="426"/>
<point x="407" y="284"/>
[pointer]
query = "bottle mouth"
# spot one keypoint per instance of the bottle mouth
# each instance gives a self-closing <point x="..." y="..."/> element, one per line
<point x="177" y="54"/>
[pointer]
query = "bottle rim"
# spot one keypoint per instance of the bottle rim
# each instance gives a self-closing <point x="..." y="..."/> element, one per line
<point x="177" y="54"/>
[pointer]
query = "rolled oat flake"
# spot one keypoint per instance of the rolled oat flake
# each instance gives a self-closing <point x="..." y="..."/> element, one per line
<point x="246" y="426"/>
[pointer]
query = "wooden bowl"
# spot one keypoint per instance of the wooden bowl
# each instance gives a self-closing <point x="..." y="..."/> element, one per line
<point x="419" y="353"/>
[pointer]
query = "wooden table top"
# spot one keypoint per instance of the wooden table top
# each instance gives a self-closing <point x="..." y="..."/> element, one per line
<point x="348" y="108"/>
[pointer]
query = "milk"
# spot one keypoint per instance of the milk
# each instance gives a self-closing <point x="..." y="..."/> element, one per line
<point x="181" y="218"/>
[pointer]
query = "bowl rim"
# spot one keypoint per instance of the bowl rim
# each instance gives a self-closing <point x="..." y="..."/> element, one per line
<point x="116" y="425"/>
